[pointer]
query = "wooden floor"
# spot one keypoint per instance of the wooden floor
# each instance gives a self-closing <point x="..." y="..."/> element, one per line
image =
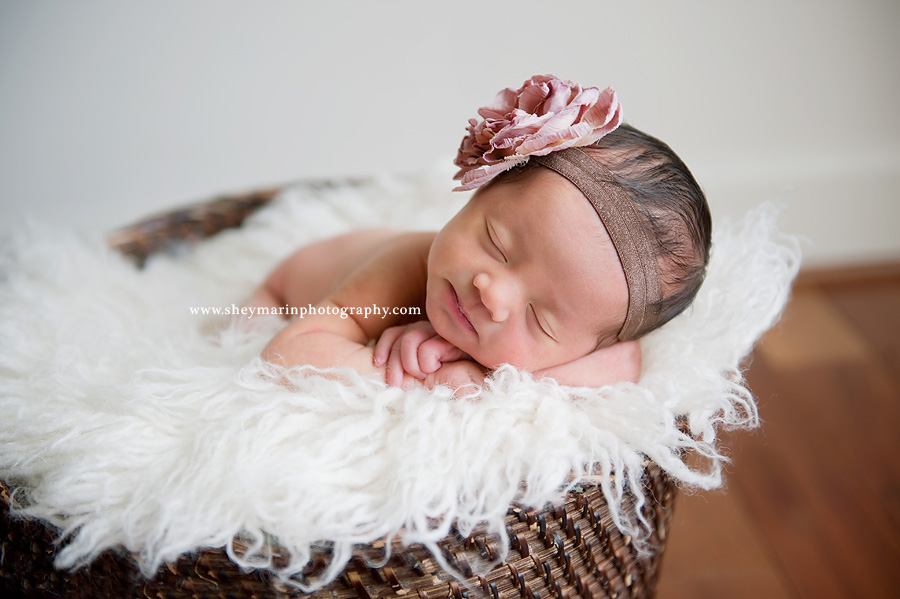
<point x="812" y="500"/>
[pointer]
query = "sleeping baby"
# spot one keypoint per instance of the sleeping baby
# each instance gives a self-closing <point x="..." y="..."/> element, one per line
<point x="583" y="234"/>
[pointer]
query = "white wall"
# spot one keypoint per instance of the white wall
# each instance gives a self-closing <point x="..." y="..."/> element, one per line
<point x="112" y="110"/>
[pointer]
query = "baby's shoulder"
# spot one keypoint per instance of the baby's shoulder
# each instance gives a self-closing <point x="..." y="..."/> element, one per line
<point x="415" y="241"/>
<point x="385" y="251"/>
<point x="384" y="235"/>
<point x="359" y="246"/>
<point x="397" y="244"/>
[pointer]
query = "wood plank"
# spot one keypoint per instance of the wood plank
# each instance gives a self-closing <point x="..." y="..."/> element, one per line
<point x="865" y="395"/>
<point x="874" y="309"/>
<point x="850" y="274"/>
<point x="816" y="485"/>
<point x="813" y="499"/>
<point x="812" y="331"/>
<point x="715" y="550"/>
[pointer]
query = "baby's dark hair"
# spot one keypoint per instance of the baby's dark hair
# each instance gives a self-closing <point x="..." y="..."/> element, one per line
<point x="673" y="207"/>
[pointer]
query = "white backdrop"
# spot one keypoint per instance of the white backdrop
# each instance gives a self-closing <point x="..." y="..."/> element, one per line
<point x="111" y="110"/>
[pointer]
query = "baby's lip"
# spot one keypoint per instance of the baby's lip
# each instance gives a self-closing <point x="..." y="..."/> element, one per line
<point x="461" y="309"/>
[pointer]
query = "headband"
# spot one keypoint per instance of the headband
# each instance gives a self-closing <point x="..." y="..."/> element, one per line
<point x="625" y="227"/>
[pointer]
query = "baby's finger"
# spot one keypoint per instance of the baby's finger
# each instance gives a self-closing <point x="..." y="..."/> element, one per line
<point x="385" y="343"/>
<point x="409" y="346"/>
<point x="393" y="374"/>
<point x="435" y="351"/>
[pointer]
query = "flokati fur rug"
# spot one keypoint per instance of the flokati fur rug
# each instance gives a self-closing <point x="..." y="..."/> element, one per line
<point x="127" y="420"/>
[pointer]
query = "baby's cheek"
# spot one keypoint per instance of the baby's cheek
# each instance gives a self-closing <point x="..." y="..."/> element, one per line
<point x="495" y="355"/>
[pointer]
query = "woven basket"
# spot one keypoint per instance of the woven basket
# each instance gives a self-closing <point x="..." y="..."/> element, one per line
<point x="567" y="551"/>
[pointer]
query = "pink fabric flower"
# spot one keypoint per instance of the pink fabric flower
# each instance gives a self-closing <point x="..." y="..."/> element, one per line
<point x="544" y="115"/>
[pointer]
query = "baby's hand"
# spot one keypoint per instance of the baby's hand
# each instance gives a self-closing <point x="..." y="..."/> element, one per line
<point x="414" y="349"/>
<point x="463" y="376"/>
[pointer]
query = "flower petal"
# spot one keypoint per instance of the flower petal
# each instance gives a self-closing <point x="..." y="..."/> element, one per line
<point x="561" y="96"/>
<point x="531" y="97"/>
<point x="476" y="178"/>
<point x="553" y="130"/>
<point x="544" y="115"/>
<point x="603" y="111"/>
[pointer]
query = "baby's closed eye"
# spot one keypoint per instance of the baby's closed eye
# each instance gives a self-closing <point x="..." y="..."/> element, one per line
<point x="495" y="243"/>
<point x="542" y="323"/>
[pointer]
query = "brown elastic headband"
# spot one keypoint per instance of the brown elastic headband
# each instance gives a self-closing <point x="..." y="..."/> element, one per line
<point x="625" y="227"/>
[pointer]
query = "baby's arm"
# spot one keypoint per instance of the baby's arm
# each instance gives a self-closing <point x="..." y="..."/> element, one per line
<point x="315" y="271"/>
<point x="418" y="351"/>
<point x="394" y="275"/>
<point x="324" y="344"/>
<point x="619" y="362"/>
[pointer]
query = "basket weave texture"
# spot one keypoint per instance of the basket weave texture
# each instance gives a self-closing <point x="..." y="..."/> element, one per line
<point x="567" y="551"/>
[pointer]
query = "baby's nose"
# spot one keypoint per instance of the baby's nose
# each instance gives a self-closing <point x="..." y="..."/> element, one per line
<point x="494" y="296"/>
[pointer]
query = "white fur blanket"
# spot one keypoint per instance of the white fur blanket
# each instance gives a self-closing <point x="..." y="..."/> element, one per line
<point x="127" y="420"/>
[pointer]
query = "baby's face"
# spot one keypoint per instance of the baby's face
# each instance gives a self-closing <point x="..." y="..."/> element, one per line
<point x="526" y="274"/>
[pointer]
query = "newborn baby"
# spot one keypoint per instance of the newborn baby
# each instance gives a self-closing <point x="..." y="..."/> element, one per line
<point x="583" y="235"/>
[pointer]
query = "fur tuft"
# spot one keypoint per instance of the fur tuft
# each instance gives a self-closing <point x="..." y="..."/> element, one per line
<point x="126" y="420"/>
